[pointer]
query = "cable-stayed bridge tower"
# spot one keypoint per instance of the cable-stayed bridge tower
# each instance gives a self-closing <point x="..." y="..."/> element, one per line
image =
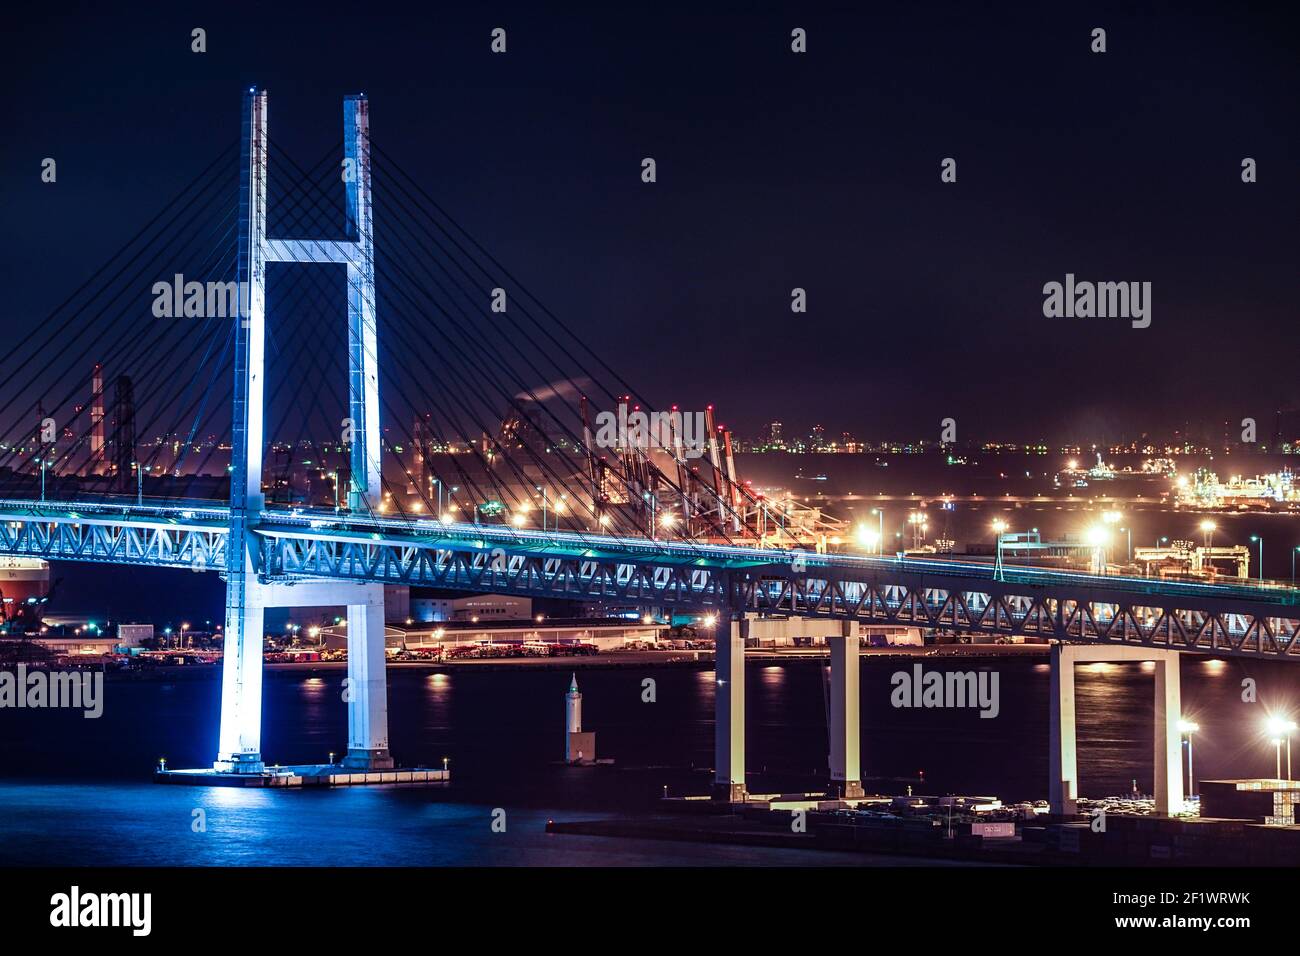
<point x="247" y="597"/>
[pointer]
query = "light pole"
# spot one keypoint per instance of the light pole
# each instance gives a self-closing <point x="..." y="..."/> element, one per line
<point x="1293" y="554"/>
<point x="880" y="516"/>
<point x="1128" y="544"/>
<point x="1098" y="537"/>
<point x="1208" y="526"/>
<point x="1260" y="539"/>
<point x="1188" y="728"/>
<point x="917" y="520"/>
<point x="543" y="491"/>
<point x="999" y="526"/>
<point x="437" y="482"/>
<point x="1280" y="728"/>
<point x="868" y="538"/>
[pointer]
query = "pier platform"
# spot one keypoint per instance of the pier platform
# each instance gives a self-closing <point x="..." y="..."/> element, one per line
<point x="306" y="775"/>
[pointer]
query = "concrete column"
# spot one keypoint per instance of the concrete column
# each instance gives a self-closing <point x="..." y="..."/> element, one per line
<point x="846" y="775"/>
<point x="1062" y="760"/>
<point x="367" y="684"/>
<point x="1168" y="739"/>
<point x="239" y="743"/>
<point x="729" y="726"/>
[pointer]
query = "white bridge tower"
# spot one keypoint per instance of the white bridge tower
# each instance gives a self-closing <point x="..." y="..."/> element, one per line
<point x="239" y="748"/>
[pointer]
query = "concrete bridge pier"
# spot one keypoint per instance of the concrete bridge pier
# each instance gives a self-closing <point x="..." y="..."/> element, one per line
<point x="367" y="684"/>
<point x="846" y="774"/>
<point x="239" y="742"/>
<point x="729" y="725"/>
<point x="1063" y="772"/>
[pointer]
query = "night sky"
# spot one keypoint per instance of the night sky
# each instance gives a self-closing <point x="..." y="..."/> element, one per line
<point x="775" y="170"/>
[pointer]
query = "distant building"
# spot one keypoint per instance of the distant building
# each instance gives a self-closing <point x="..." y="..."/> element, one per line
<point x="470" y="607"/>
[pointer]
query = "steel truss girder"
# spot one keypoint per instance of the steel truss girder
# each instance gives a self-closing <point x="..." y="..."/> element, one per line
<point x="590" y="577"/>
<point x="1081" y="608"/>
<point x="115" y="542"/>
<point x="1082" y="613"/>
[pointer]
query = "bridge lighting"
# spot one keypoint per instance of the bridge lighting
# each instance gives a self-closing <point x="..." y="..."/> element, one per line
<point x="710" y="620"/>
<point x="446" y="517"/>
<point x="667" y="519"/>
<point x="603" y="521"/>
<point x="1208" y="527"/>
<point x="517" y="520"/>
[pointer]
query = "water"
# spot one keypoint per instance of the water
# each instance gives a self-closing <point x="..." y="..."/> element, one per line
<point x="76" y="791"/>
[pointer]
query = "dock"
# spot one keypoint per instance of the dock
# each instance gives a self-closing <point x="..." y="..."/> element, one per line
<point x="306" y="775"/>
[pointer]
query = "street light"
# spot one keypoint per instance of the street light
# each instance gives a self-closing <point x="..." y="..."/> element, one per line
<point x="999" y="526"/>
<point x="869" y="538"/>
<point x="917" y="520"/>
<point x="1279" y="728"/>
<point x="880" y="524"/>
<point x="1187" y="728"/>
<point x="1099" y="539"/>
<point x="1260" y="538"/>
<point x="1208" y="527"/>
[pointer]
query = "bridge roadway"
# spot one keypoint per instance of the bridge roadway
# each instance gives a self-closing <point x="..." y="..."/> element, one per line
<point x="1257" y="620"/>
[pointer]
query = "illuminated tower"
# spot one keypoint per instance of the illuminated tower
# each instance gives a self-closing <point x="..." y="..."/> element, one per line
<point x="239" y="748"/>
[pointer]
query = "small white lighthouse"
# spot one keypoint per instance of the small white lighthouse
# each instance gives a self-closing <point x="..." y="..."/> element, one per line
<point x="579" y="747"/>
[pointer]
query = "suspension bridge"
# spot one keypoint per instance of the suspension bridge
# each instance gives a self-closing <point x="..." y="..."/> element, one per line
<point x="262" y="428"/>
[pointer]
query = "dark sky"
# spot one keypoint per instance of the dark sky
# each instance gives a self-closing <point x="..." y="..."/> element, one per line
<point x="775" y="170"/>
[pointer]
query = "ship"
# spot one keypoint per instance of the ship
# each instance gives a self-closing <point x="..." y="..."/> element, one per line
<point x="24" y="591"/>
<point x="1263" y="492"/>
